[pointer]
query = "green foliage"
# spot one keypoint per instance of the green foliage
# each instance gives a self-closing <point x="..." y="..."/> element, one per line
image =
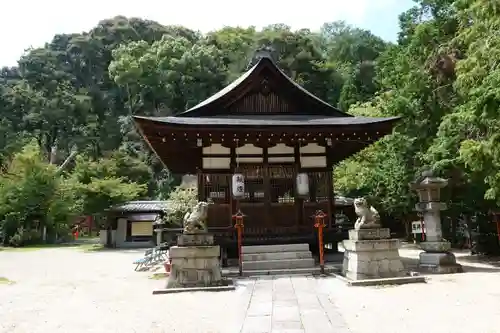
<point x="21" y="207"/>
<point x="80" y="91"/>
<point x="442" y="78"/>
<point x="181" y="201"/>
<point x="102" y="184"/>
<point x="34" y="196"/>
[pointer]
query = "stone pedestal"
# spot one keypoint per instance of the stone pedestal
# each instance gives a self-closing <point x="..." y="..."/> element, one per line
<point x="371" y="254"/>
<point x="195" y="262"/>
<point x="437" y="259"/>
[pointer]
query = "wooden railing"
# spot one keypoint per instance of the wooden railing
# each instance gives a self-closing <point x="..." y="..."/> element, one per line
<point x="258" y="235"/>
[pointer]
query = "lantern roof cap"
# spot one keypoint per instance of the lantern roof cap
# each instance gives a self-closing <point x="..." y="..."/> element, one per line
<point x="427" y="180"/>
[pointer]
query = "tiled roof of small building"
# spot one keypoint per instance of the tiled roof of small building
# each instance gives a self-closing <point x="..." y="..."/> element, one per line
<point x="343" y="201"/>
<point x="141" y="206"/>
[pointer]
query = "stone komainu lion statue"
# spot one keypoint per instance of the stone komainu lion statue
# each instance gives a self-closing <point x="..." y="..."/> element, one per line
<point x="368" y="216"/>
<point x="194" y="221"/>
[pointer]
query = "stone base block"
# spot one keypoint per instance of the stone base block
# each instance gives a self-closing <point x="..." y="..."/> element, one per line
<point x="376" y="245"/>
<point x="190" y="278"/>
<point x="369" y="234"/>
<point x="438" y="247"/>
<point x="194" y="252"/>
<point x="195" y="239"/>
<point x="194" y="266"/>
<point x="440" y="263"/>
<point x="371" y="259"/>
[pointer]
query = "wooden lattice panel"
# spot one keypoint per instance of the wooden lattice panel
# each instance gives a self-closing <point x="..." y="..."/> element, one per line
<point x="282" y="187"/>
<point x="254" y="183"/>
<point x="320" y="180"/>
<point x="216" y="188"/>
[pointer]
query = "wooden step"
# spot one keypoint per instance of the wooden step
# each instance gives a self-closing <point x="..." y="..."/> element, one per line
<point x="275" y="248"/>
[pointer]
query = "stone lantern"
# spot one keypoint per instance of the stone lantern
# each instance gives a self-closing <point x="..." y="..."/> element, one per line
<point x="436" y="257"/>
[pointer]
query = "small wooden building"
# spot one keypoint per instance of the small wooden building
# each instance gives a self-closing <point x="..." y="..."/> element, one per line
<point x="131" y="224"/>
<point x="268" y="128"/>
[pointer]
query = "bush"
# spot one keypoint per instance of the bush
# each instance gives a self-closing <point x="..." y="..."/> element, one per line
<point x="35" y="195"/>
<point x="25" y="237"/>
<point x="31" y="237"/>
<point x="16" y="240"/>
<point x="181" y="201"/>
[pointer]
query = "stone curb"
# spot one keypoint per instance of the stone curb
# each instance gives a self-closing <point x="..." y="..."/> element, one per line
<point x="382" y="281"/>
<point x="183" y="290"/>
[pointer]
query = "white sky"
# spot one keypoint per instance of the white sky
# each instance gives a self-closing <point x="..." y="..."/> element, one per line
<point x="26" y="23"/>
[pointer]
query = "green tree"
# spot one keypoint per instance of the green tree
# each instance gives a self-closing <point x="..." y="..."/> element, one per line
<point x="101" y="184"/>
<point x="25" y="212"/>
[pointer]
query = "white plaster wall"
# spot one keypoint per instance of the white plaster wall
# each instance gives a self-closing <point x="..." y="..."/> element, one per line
<point x="103" y="236"/>
<point x="216" y="162"/>
<point x="249" y="159"/>
<point x="248" y="149"/>
<point x="312" y="148"/>
<point x="225" y="162"/>
<point x="280" y="148"/>
<point x="281" y="159"/>
<point x="313" y="161"/>
<point x="216" y="149"/>
<point x="121" y="231"/>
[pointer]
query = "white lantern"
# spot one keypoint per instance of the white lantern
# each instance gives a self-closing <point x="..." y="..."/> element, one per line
<point x="238" y="185"/>
<point x="302" y="184"/>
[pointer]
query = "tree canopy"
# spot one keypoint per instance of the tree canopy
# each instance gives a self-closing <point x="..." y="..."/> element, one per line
<point x="78" y="93"/>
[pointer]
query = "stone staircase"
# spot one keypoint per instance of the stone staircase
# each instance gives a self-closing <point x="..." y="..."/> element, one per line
<point x="277" y="259"/>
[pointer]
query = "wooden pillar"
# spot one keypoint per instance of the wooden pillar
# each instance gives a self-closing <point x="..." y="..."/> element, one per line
<point x="232" y="203"/>
<point x="299" y="202"/>
<point x="331" y="194"/>
<point x="201" y="185"/>
<point x="267" y="187"/>
<point x="331" y="200"/>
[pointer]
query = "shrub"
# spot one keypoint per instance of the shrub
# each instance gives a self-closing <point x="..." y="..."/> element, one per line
<point x="181" y="201"/>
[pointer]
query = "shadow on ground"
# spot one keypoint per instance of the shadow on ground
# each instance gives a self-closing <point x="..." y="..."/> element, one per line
<point x="482" y="259"/>
<point x="100" y="249"/>
<point x="468" y="264"/>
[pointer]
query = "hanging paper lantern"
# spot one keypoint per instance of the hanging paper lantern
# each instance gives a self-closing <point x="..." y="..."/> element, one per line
<point x="238" y="185"/>
<point x="302" y="184"/>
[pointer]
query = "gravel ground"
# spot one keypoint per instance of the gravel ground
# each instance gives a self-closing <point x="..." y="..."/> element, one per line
<point x="71" y="291"/>
<point x="455" y="303"/>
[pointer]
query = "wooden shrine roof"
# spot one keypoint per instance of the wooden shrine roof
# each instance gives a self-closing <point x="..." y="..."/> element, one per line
<point x="262" y="105"/>
<point x="267" y="121"/>
<point x="264" y="96"/>
<point x="265" y="64"/>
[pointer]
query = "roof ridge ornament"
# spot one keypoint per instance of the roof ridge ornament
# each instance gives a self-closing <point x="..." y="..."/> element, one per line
<point x="266" y="51"/>
<point x="265" y="89"/>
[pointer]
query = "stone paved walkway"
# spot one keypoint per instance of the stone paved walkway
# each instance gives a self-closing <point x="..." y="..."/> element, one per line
<point x="291" y="305"/>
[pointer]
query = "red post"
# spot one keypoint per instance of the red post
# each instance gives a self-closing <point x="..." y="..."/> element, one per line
<point x="498" y="229"/>
<point x="90" y="224"/>
<point x="239" y="229"/>
<point x="319" y="219"/>
<point x="496" y="220"/>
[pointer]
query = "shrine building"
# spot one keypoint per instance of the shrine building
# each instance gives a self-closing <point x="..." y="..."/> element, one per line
<point x="284" y="142"/>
